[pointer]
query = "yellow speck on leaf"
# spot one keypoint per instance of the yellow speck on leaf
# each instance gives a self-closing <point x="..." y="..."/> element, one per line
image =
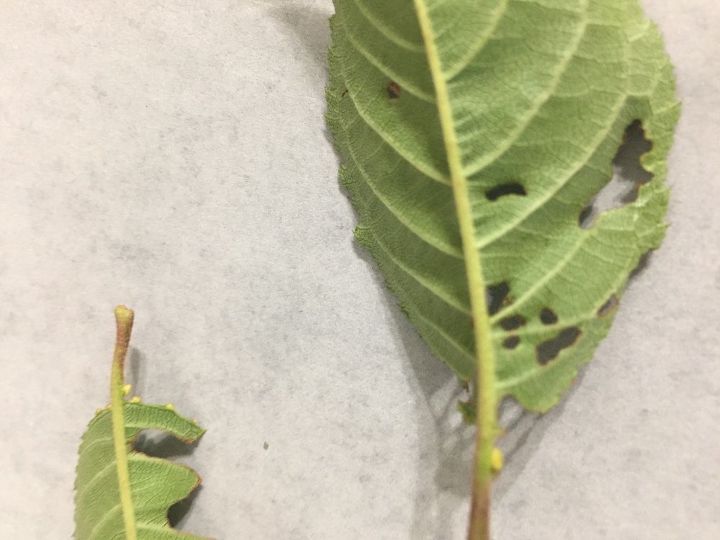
<point x="497" y="459"/>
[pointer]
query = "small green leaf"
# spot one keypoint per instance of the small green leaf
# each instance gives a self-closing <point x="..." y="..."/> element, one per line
<point x="119" y="491"/>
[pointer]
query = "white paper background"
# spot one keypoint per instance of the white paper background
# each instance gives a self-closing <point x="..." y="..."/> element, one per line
<point x="172" y="155"/>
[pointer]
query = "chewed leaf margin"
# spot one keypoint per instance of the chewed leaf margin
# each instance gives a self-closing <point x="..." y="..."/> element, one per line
<point x="139" y="417"/>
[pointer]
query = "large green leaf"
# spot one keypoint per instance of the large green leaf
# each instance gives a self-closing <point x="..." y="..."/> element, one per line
<point x="473" y="133"/>
<point x="120" y="492"/>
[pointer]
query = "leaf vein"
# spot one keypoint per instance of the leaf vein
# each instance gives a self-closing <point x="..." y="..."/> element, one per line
<point x="385" y="31"/>
<point x="477" y="47"/>
<point x="408" y="223"/>
<point x="406" y="85"/>
<point x="562" y="68"/>
<point x="428" y="170"/>
<point x="447" y="299"/>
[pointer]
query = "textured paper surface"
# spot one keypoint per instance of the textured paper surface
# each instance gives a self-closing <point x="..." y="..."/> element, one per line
<point x="173" y="156"/>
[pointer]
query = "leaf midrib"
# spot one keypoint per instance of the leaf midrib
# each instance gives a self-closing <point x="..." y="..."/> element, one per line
<point x="124" y="319"/>
<point x="484" y="348"/>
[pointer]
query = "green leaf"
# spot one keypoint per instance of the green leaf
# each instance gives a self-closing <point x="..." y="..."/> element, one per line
<point x="119" y="491"/>
<point x="472" y="134"/>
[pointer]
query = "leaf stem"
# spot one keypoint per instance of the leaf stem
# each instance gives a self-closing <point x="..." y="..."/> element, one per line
<point x="124" y="322"/>
<point x="486" y="398"/>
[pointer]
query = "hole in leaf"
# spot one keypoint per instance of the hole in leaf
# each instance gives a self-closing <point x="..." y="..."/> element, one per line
<point x="511" y="188"/>
<point x="642" y="265"/>
<point x="497" y="296"/>
<point x="549" y="350"/>
<point x="608" y="306"/>
<point x="548" y="316"/>
<point x="179" y="511"/>
<point x="627" y="160"/>
<point x="393" y="90"/>
<point x="628" y="176"/>
<point x="511" y="342"/>
<point x="586" y="216"/>
<point x="156" y="443"/>
<point x="513" y="322"/>
<point x="159" y="444"/>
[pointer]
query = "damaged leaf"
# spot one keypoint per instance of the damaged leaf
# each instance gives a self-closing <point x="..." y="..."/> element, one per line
<point x="475" y="184"/>
<point x="121" y="492"/>
<point x="517" y="109"/>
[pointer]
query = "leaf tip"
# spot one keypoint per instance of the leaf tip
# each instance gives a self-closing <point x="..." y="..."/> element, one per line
<point x="124" y="315"/>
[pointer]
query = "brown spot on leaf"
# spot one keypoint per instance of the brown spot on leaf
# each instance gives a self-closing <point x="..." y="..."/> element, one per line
<point x="548" y="316"/>
<point x="510" y="188"/>
<point x="550" y="349"/>
<point x="513" y="322"/>
<point x="511" y="342"/>
<point x="609" y="306"/>
<point x="496" y="296"/>
<point x="393" y="90"/>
